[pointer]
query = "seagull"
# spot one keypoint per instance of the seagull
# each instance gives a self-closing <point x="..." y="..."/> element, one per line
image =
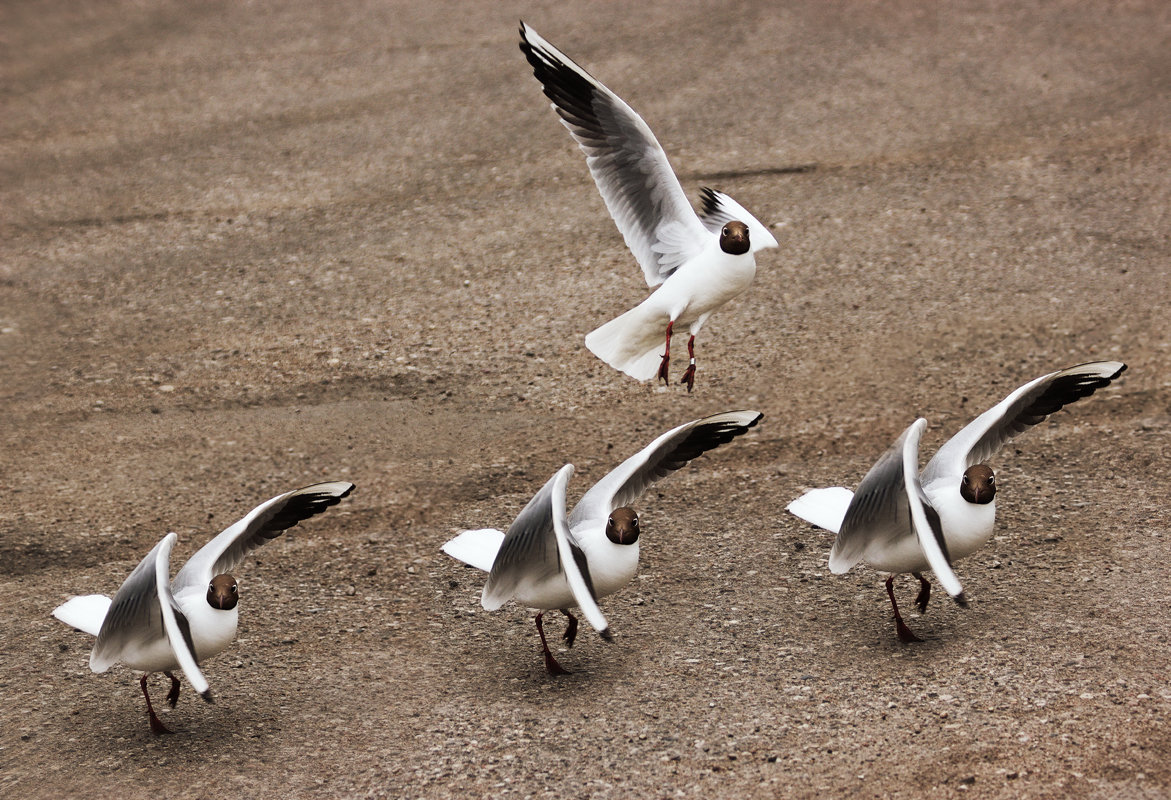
<point x="549" y="560"/>
<point x="154" y="624"/>
<point x="698" y="262"/>
<point x="901" y="520"/>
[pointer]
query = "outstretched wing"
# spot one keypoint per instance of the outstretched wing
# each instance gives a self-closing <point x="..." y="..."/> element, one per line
<point x="719" y="209"/>
<point x="144" y="611"/>
<point x="628" y="164"/>
<point x="889" y="505"/>
<point x="262" y="524"/>
<point x="1025" y="407"/>
<point x="671" y="451"/>
<point x="538" y="546"/>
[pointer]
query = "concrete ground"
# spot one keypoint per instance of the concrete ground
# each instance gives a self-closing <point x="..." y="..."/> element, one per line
<point x="248" y="247"/>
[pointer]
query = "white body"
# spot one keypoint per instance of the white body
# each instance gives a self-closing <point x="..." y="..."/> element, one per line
<point x="633" y="342"/>
<point x="212" y="630"/>
<point x="612" y="566"/>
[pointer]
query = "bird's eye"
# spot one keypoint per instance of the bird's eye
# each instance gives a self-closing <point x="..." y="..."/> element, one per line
<point x="235" y="588"/>
<point x="211" y="587"/>
<point x="965" y="480"/>
<point x="992" y="479"/>
<point x="636" y="522"/>
<point x="610" y="521"/>
<point x="724" y="231"/>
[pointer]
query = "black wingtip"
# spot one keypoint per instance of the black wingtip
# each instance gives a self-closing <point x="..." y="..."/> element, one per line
<point x="709" y="200"/>
<point x="206" y="695"/>
<point x="961" y="600"/>
<point x="605" y="634"/>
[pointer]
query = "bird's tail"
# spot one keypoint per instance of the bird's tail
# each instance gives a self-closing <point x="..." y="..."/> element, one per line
<point x="86" y="613"/>
<point x="477" y="548"/>
<point x="632" y="343"/>
<point x="825" y="508"/>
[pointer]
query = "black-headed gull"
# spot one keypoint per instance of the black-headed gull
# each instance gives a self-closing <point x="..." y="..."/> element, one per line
<point x="549" y="560"/>
<point x="900" y="520"/>
<point x="702" y="261"/>
<point x="155" y="624"/>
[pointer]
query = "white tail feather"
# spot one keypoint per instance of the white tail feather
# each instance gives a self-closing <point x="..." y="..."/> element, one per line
<point x="825" y="508"/>
<point x="477" y="548"/>
<point x="86" y="613"/>
<point x="632" y="343"/>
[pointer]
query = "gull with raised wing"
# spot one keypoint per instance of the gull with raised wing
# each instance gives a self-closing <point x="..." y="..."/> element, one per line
<point x="698" y="262"/>
<point x="550" y="560"/>
<point x="902" y="521"/>
<point x="155" y="624"/>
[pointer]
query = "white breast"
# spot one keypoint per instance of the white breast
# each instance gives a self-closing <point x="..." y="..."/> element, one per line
<point x="966" y="526"/>
<point x="211" y="629"/>
<point x="704" y="284"/>
<point x="611" y="566"/>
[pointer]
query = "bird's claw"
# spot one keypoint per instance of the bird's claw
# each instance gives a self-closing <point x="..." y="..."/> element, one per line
<point x="552" y="667"/>
<point x="906" y="635"/>
<point x="663" y="368"/>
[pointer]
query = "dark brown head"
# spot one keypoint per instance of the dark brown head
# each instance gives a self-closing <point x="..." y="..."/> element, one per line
<point x="978" y="485"/>
<point x="222" y="592"/>
<point x="734" y="238"/>
<point x="622" y="527"/>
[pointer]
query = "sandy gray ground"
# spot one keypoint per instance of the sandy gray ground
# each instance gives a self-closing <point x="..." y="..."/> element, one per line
<point x="250" y="247"/>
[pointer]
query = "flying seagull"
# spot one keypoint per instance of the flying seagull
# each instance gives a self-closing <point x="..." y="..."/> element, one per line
<point x="698" y="262"/>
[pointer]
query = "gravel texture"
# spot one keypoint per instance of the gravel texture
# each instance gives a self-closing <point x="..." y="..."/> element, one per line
<point x="248" y="247"/>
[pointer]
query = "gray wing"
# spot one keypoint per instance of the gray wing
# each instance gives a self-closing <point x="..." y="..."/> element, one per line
<point x="1022" y="409"/>
<point x="538" y="546"/>
<point x="880" y="510"/>
<point x="628" y="164"/>
<point x="143" y="611"/>
<point x="889" y="505"/>
<point x="262" y="524"/>
<point x="671" y="451"/>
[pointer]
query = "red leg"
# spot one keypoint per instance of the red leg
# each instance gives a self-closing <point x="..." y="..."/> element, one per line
<point x="689" y="375"/>
<point x="551" y="665"/>
<point x="156" y="725"/>
<point x="905" y="634"/>
<point x="666" y="355"/>
<point x="924" y="593"/>
<point x="173" y="695"/>
<point x="570" y="629"/>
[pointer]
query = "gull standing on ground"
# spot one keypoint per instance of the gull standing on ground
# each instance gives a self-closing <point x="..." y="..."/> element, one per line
<point x="548" y="560"/>
<point x="701" y="261"/>
<point x="902" y="521"/>
<point x="154" y="624"/>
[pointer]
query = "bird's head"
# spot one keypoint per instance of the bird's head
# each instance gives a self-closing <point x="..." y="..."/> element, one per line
<point x="734" y="238"/>
<point x="978" y="485"/>
<point x="622" y="527"/>
<point x="223" y="593"/>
